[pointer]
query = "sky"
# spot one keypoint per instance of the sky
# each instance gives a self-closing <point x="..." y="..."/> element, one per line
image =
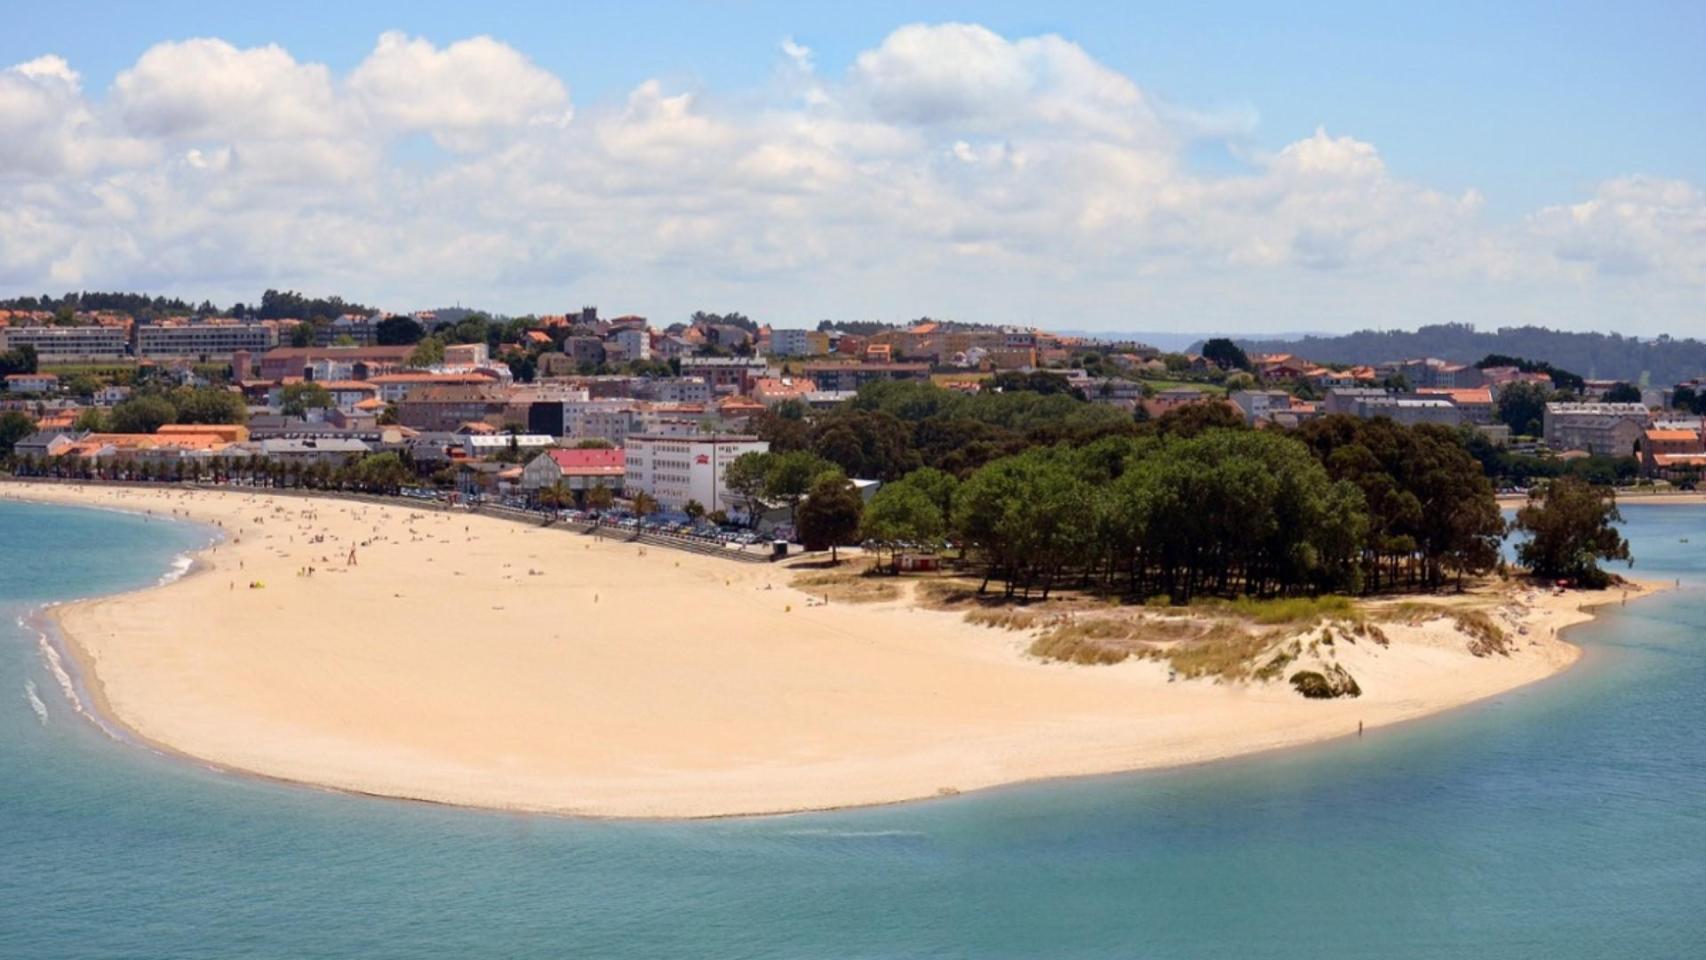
<point x="1100" y="166"/>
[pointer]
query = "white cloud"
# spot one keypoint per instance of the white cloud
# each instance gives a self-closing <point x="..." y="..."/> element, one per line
<point x="46" y="128"/>
<point x="207" y="89"/>
<point x="1632" y="226"/>
<point x="949" y="171"/>
<point x="459" y="94"/>
<point x="964" y="76"/>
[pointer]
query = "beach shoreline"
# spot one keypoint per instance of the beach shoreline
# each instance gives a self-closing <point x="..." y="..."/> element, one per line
<point x="811" y="708"/>
<point x="1676" y="499"/>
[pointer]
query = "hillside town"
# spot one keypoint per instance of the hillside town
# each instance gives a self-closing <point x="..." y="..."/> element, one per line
<point x="578" y="412"/>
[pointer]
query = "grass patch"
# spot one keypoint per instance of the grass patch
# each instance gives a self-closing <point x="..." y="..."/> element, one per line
<point x="1004" y="618"/>
<point x="848" y="586"/>
<point x="1485" y="636"/>
<point x="1071" y="647"/>
<point x="1095" y="640"/>
<point x="1288" y="610"/>
<point x="1225" y="651"/>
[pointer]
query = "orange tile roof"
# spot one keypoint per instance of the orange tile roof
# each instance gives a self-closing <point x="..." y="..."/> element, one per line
<point x="1683" y="436"/>
<point x="1461" y="394"/>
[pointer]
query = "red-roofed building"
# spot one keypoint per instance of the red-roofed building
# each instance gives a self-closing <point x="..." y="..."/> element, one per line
<point x="579" y="469"/>
<point x="1673" y="453"/>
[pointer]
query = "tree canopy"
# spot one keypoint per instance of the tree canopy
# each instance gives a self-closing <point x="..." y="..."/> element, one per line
<point x="296" y="399"/>
<point x="1570" y="528"/>
<point x="829" y="517"/>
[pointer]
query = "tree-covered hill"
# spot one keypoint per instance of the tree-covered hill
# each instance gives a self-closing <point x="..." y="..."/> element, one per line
<point x="1607" y="356"/>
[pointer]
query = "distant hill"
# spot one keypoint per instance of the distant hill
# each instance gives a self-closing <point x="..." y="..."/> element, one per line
<point x="1607" y="356"/>
<point x="1173" y="341"/>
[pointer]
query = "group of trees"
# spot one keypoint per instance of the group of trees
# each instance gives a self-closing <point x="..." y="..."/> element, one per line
<point x="783" y="478"/>
<point x="18" y="360"/>
<point x="14" y="426"/>
<point x="1688" y="399"/>
<point x="1431" y="509"/>
<point x="1570" y="528"/>
<point x="891" y="429"/>
<point x="146" y="411"/>
<point x="133" y="303"/>
<point x="1200" y="505"/>
<point x="1197" y="504"/>
<point x="1224" y="512"/>
<point x="381" y="473"/>
<point x="290" y="305"/>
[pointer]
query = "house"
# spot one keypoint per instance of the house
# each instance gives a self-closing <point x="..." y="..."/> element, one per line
<point x="673" y="347"/>
<point x="31" y="383"/>
<point x="466" y="355"/>
<point x="584" y="351"/>
<point x="1176" y="397"/>
<point x="346" y="394"/>
<point x="1673" y="452"/>
<point x="1475" y="403"/>
<point x="45" y="443"/>
<point x="577" y="470"/>
<point x="1260" y="404"/>
<point x="726" y="374"/>
<point x="448" y="407"/>
<point x="634" y="343"/>
<point x="798" y="343"/>
<point x="770" y="391"/>
<point x="356" y="363"/>
<point x="396" y="386"/>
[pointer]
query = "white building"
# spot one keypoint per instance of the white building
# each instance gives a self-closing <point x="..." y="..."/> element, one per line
<point x="204" y="339"/>
<point x="798" y="343"/>
<point x="678" y="469"/>
<point x="1261" y="404"/>
<point x="635" y="343"/>
<point x="32" y="383"/>
<point x="67" y="343"/>
<point x="487" y="444"/>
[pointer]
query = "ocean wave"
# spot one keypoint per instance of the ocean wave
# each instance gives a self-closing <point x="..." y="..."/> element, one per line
<point x="35" y="701"/>
<point x="56" y="666"/>
<point x="181" y="565"/>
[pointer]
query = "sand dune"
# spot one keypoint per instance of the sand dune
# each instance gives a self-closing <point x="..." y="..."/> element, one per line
<point x="477" y="661"/>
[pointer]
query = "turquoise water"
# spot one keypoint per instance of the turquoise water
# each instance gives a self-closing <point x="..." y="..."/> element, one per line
<point x="1565" y="820"/>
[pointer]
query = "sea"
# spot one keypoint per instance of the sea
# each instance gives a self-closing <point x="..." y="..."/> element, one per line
<point x="1563" y="820"/>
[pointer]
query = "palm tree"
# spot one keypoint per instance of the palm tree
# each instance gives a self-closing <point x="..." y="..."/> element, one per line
<point x="598" y="497"/>
<point x="644" y="504"/>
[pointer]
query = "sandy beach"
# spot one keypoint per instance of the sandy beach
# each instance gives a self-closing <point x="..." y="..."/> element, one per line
<point x="1687" y="498"/>
<point x="472" y="660"/>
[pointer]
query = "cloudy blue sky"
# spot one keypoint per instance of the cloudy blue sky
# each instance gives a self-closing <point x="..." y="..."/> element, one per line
<point x="1241" y="166"/>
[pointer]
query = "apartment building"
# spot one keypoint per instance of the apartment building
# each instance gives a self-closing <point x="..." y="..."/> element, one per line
<point x="202" y="339"/>
<point x="678" y="469"/>
<point x="67" y="344"/>
<point x="798" y="343"/>
<point x="1607" y="429"/>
